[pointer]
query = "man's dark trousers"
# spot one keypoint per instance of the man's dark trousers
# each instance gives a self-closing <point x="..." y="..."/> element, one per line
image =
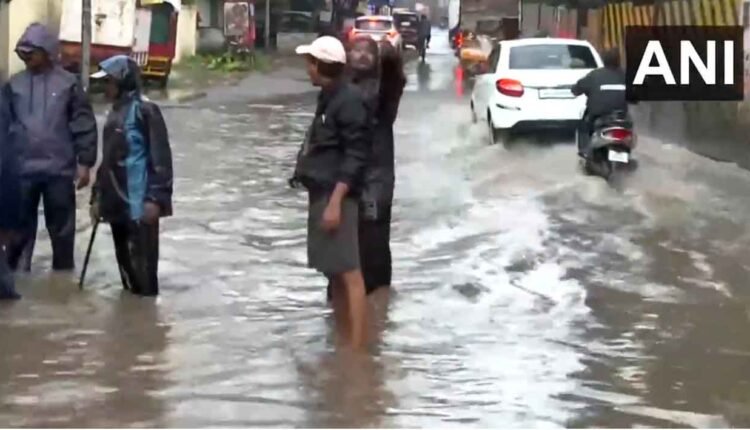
<point x="585" y="128"/>
<point x="59" y="197"/>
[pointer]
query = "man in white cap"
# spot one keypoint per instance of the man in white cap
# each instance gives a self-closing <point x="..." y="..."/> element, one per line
<point x="330" y="165"/>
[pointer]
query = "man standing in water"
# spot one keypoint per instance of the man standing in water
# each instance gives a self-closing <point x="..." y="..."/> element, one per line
<point x="134" y="183"/>
<point x="53" y="127"/>
<point x="330" y="165"/>
<point x="10" y="200"/>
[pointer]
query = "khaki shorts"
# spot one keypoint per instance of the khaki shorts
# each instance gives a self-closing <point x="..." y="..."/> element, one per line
<point x="338" y="252"/>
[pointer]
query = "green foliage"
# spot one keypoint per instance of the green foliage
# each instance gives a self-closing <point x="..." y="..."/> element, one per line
<point x="229" y="62"/>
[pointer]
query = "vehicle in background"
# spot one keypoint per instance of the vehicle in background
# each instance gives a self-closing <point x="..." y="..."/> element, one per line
<point x="493" y="19"/>
<point x="146" y="32"/>
<point x="377" y="27"/>
<point x="454" y="19"/>
<point x="610" y="151"/>
<point x="528" y="84"/>
<point x="407" y="23"/>
<point x="473" y="52"/>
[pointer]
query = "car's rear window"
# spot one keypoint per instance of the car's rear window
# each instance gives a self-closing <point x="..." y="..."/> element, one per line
<point x="409" y="21"/>
<point x="552" y="57"/>
<point x="373" y="24"/>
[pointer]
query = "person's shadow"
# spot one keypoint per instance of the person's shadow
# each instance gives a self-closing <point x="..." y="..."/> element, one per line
<point x="132" y="367"/>
<point x="423" y="76"/>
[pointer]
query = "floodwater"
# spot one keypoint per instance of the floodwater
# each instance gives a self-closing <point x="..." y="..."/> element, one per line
<point x="526" y="294"/>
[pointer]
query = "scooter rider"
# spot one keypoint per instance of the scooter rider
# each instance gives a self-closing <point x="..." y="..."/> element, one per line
<point x="605" y="93"/>
<point x="425" y="31"/>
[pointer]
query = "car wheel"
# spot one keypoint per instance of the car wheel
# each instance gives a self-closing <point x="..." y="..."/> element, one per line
<point x="474" y="118"/>
<point x="498" y="135"/>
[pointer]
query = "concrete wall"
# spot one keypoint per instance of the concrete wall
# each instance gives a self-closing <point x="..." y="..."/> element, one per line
<point x="14" y="18"/>
<point x="187" y="35"/>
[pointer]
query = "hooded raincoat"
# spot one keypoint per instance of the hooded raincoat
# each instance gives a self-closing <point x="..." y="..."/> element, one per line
<point x="136" y="156"/>
<point x="51" y="122"/>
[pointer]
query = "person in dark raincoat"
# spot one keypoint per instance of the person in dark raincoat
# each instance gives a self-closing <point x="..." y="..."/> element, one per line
<point x="380" y="180"/>
<point x="53" y="127"/>
<point x="133" y="186"/>
<point x="378" y="72"/>
<point x="10" y="201"/>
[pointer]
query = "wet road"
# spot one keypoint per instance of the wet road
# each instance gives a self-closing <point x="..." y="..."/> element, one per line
<point x="526" y="293"/>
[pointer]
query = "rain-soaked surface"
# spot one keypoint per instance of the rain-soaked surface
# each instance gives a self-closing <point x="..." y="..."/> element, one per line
<point x="526" y="293"/>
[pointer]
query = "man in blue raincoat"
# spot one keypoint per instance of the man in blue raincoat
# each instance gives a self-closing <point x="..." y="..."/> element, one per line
<point x="134" y="182"/>
<point x="54" y="129"/>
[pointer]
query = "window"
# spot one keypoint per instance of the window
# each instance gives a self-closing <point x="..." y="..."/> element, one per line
<point x="552" y="57"/>
<point x="746" y="14"/>
<point x="406" y="20"/>
<point x="373" y="25"/>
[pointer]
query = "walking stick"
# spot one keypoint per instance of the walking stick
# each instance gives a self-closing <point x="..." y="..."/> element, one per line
<point x="88" y="254"/>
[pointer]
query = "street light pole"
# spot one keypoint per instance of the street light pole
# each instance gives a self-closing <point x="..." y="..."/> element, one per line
<point x="267" y="29"/>
<point x="86" y="44"/>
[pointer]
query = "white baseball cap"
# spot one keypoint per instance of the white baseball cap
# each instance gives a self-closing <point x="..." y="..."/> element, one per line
<point x="327" y="49"/>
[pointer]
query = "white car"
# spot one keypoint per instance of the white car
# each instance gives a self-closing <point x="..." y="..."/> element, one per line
<point x="529" y="85"/>
<point x="378" y="28"/>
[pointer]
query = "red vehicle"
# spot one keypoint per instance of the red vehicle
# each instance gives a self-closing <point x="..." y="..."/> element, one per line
<point x="145" y="30"/>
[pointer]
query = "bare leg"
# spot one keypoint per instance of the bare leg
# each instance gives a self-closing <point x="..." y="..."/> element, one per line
<point x="340" y="307"/>
<point x="354" y="286"/>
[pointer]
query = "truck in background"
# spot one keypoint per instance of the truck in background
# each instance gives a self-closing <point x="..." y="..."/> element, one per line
<point x="482" y="23"/>
<point x="454" y="19"/>
<point x="145" y="30"/>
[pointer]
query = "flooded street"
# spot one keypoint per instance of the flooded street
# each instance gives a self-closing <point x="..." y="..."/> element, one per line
<point x="526" y="294"/>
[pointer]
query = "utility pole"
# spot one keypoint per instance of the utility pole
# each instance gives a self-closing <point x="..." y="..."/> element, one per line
<point x="86" y="44"/>
<point x="267" y="36"/>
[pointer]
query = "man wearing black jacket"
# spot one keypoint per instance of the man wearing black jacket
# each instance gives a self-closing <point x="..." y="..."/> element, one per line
<point x="330" y="165"/>
<point x="605" y="94"/>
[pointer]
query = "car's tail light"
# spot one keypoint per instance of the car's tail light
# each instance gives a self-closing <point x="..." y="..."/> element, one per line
<point x="619" y="134"/>
<point x="459" y="40"/>
<point x="509" y="87"/>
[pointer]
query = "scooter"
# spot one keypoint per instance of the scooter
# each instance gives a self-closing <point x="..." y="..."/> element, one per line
<point x="609" y="153"/>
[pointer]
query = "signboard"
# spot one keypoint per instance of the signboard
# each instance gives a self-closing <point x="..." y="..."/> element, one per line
<point x="236" y="19"/>
<point x="113" y="22"/>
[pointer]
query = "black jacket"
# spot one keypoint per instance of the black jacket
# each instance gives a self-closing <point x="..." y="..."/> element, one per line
<point x="605" y="91"/>
<point x="111" y="187"/>
<point x="10" y="185"/>
<point x="338" y="143"/>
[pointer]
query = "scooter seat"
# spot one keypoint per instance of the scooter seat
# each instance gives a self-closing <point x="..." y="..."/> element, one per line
<point x="614" y="119"/>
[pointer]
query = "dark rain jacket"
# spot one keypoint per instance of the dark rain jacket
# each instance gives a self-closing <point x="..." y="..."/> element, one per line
<point x="605" y="91"/>
<point x="10" y="188"/>
<point x="134" y="126"/>
<point x="337" y="146"/>
<point x="51" y="120"/>
<point x="379" y="179"/>
<point x="425" y="28"/>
